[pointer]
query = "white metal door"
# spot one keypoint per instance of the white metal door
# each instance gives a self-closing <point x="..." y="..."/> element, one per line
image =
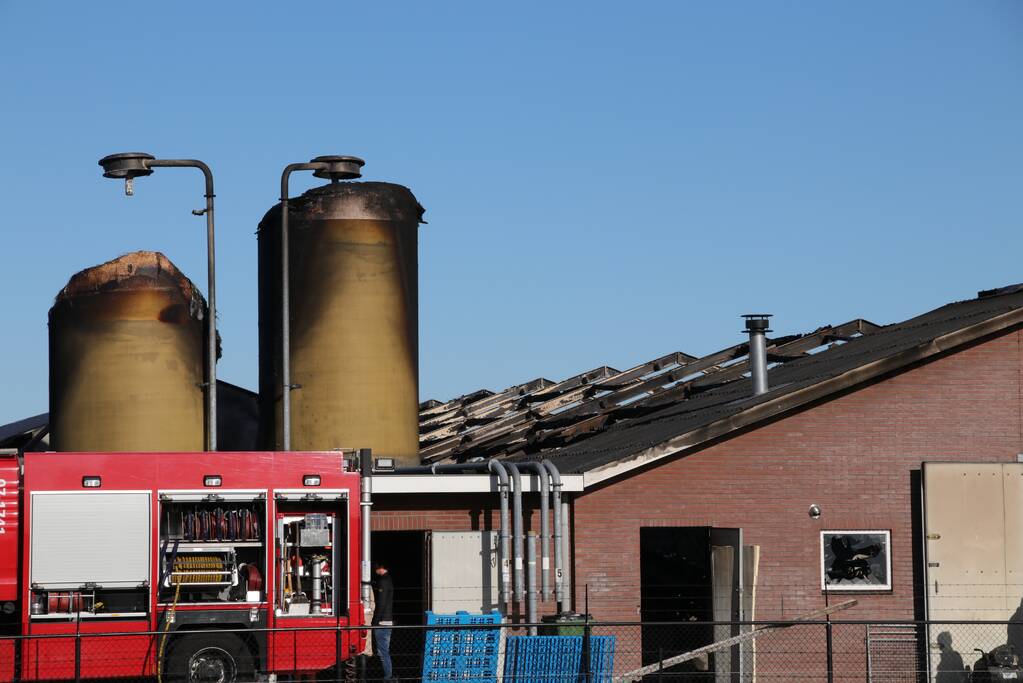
<point x="463" y="571"/>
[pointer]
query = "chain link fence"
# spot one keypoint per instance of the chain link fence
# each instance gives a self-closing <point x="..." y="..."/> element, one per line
<point x="567" y="652"/>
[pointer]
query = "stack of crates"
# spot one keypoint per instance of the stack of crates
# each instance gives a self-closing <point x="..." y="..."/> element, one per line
<point x="602" y="658"/>
<point x="557" y="659"/>
<point x="452" y="654"/>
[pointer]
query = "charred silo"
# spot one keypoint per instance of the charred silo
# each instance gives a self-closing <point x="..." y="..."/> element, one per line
<point x="354" y="320"/>
<point x="127" y="357"/>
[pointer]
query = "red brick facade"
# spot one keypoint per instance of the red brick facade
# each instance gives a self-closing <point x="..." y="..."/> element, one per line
<point x="853" y="455"/>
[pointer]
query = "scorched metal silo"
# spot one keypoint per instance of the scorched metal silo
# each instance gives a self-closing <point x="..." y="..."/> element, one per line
<point x="126" y="358"/>
<point x="353" y="319"/>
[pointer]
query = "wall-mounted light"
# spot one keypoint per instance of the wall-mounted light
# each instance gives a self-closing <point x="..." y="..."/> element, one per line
<point x="311" y="480"/>
<point x="814" y="511"/>
<point x="212" y="480"/>
<point x="91" y="482"/>
<point x="384" y="465"/>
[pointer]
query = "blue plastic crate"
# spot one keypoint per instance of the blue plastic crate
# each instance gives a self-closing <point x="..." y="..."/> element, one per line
<point x="461" y="654"/>
<point x="557" y="659"/>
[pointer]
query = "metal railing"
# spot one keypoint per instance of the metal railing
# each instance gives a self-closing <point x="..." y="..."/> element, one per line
<point x="579" y="652"/>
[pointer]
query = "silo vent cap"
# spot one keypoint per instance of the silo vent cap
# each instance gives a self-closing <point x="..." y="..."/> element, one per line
<point x="339" y="167"/>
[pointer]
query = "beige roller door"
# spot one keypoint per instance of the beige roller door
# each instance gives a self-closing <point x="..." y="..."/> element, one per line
<point x="973" y="519"/>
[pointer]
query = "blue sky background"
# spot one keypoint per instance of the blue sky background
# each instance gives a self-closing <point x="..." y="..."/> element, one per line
<point x="604" y="182"/>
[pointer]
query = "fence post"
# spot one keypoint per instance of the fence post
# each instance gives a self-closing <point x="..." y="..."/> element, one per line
<point x="338" y="651"/>
<point x="78" y="657"/>
<point x="586" y="637"/>
<point x="866" y="648"/>
<point x="830" y="651"/>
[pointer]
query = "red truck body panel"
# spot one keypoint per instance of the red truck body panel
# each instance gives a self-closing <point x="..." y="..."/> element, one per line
<point x="10" y="480"/>
<point x="128" y="655"/>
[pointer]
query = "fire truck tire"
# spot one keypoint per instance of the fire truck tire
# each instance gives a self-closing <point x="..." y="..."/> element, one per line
<point x="210" y="658"/>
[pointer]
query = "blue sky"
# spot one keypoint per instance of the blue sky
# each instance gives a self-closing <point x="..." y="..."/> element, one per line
<point x="604" y="182"/>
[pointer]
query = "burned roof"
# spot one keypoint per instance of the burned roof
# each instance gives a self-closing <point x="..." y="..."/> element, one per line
<point x="606" y="420"/>
<point x="606" y="416"/>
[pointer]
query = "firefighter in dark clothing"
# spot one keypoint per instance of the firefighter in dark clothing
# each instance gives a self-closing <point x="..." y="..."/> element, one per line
<point x="383" y="615"/>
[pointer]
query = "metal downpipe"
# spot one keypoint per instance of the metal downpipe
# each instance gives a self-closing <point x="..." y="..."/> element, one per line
<point x="559" y="583"/>
<point x="566" y="557"/>
<point x="518" y="543"/>
<point x="365" y="507"/>
<point x="286" y="386"/>
<point x="545" y="549"/>
<point x="531" y="617"/>
<point x="285" y="321"/>
<point x="504" y="582"/>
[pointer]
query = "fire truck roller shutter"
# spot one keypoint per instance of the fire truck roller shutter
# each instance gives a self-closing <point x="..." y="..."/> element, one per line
<point x="90" y="537"/>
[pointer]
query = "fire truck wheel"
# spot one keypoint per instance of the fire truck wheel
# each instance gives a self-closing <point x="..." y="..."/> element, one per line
<point x="210" y="658"/>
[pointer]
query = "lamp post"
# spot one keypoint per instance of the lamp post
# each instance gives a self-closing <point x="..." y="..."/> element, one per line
<point x="131" y="165"/>
<point x="334" y="168"/>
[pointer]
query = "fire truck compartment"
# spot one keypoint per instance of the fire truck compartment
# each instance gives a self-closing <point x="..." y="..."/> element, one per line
<point x="310" y="557"/>
<point x="212" y="547"/>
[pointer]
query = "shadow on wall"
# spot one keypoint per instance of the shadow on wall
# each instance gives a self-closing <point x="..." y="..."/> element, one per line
<point x="950" y="666"/>
<point x="1015" y="630"/>
<point x="952" y="669"/>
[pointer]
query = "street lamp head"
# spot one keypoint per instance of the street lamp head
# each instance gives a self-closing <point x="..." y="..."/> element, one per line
<point x="127" y="165"/>
<point x="338" y="167"/>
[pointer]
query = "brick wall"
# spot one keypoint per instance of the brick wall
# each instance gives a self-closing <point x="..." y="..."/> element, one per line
<point x="854" y="455"/>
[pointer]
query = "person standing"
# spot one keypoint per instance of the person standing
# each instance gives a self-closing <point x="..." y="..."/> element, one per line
<point x="383" y="616"/>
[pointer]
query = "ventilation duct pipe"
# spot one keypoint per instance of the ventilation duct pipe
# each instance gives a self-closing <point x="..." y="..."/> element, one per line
<point x="502" y="491"/>
<point x="545" y="563"/>
<point x="531" y="583"/>
<point x="559" y="587"/>
<point x="756" y="327"/>
<point x="518" y="549"/>
<point x="497" y="469"/>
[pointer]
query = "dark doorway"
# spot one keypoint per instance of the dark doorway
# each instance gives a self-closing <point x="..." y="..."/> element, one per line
<point x="404" y="553"/>
<point x="677" y="589"/>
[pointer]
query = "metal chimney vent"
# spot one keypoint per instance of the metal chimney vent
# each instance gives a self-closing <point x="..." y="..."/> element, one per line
<point x="756" y="327"/>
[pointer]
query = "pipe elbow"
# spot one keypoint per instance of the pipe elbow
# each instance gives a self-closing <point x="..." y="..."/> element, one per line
<point x="516" y="477"/>
<point x="500" y="471"/>
<point x="553" y="471"/>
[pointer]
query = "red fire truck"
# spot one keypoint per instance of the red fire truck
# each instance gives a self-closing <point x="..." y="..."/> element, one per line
<point x="258" y="552"/>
